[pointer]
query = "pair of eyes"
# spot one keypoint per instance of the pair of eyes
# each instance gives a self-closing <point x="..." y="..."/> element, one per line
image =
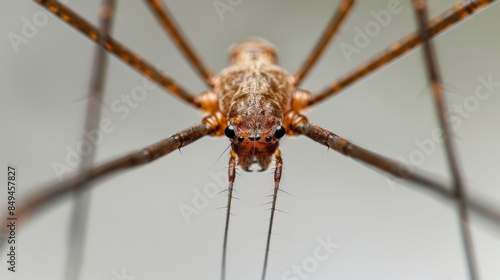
<point x="229" y="132"/>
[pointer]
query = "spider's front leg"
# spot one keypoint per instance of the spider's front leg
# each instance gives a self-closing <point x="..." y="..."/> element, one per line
<point x="298" y="124"/>
<point x="49" y="194"/>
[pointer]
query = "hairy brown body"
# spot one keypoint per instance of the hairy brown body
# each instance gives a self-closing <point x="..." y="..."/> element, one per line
<point x="254" y="94"/>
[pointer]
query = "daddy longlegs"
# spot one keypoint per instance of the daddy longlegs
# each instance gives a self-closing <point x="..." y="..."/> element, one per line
<point x="135" y="224"/>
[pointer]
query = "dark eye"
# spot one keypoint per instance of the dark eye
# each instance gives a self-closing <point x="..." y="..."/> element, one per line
<point x="268" y="139"/>
<point x="280" y="132"/>
<point x="229" y="131"/>
<point x="241" y="138"/>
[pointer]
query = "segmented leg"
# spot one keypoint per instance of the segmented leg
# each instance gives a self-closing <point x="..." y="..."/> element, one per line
<point x="277" y="179"/>
<point x="178" y="38"/>
<point x="119" y="50"/>
<point x="231" y="176"/>
<point x="326" y="37"/>
<point x="437" y="25"/>
<point x="400" y="170"/>
<point x="77" y="228"/>
<point x="52" y="193"/>
<point x="435" y="79"/>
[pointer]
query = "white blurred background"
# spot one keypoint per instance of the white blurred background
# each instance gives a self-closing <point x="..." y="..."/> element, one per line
<point x="385" y="229"/>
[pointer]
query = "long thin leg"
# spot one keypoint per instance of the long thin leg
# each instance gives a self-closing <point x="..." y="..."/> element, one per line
<point x="437" y="25"/>
<point x="52" y="193"/>
<point x="78" y="221"/>
<point x="392" y="167"/>
<point x="277" y="179"/>
<point x="231" y="176"/>
<point x="179" y="39"/>
<point x="435" y="79"/>
<point x="119" y="50"/>
<point x="325" y="39"/>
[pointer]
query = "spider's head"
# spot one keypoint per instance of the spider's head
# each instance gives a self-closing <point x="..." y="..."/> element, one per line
<point x="254" y="141"/>
<point x="253" y="50"/>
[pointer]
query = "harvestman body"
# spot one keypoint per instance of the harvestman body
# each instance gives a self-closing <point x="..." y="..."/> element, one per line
<point x="255" y="103"/>
<point x="250" y="100"/>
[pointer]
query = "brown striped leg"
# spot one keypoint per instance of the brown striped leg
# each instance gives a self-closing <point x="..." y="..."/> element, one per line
<point x="301" y="126"/>
<point x="49" y="195"/>
<point x="277" y="179"/>
<point x="437" y="25"/>
<point x="118" y="49"/>
<point x="326" y="38"/>
<point x="459" y="189"/>
<point x="231" y="176"/>
<point x="77" y="229"/>
<point x="179" y="39"/>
